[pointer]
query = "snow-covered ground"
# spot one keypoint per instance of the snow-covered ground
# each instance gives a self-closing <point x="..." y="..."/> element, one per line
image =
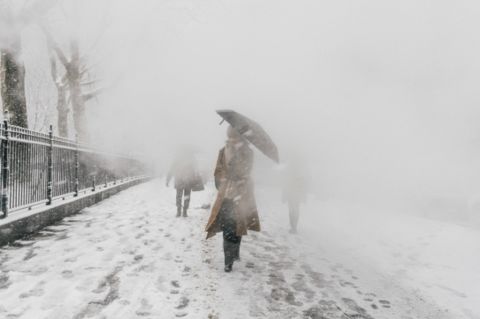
<point x="129" y="257"/>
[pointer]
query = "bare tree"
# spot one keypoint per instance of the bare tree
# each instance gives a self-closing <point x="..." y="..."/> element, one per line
<point x="71" y="62"/>
<point x="39" y="103"/>
<point x="74" y="82"/>
<point x="12" y="71"/>
<point x="60" y="82"/>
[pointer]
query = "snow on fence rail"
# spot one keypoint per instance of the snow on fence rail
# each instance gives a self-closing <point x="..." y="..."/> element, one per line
<point x="37" y="168"/>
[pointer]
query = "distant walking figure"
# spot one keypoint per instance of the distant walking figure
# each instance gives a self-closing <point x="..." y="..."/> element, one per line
<point x="183" y="170"/>
<point x="234" y="211"/>
<point x="294" y="192"/>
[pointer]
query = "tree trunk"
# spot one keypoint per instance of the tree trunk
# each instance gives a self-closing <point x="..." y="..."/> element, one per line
<point x="62" y="107"/>
<point x="78" y="106"/>
<point x="76" y="96"/>
<point x="12" y="82"/>
<point x="62" y="110"/>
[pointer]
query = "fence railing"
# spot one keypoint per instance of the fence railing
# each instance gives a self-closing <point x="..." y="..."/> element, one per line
<point x="38" y="168"/>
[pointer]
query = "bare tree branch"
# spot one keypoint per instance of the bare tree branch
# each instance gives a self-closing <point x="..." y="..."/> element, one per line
<point x="54" y="46"/>
<point x="91" y="95"/>
<point x="89" y="82"/>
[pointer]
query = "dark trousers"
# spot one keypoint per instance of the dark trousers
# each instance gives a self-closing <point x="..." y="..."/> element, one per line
<point x="231" y="242"/>
<point x="185" y="194"/>
<point x="294" y="212"/>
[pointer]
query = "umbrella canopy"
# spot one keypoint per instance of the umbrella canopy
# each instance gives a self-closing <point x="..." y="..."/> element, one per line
<point x="252" y="132"/>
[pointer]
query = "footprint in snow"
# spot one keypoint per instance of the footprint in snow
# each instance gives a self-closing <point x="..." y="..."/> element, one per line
<point x="145" y="308"/>
<point x="137" y="258"/>
<point x="71" y="260"/>
<point x="37" y="291"/>
<point x="167" y="256"/>
<point x="183" y="303"/>
<point x="39" y="271"/>
<point x="359" y="312"/>
<point x="346" y="284"/>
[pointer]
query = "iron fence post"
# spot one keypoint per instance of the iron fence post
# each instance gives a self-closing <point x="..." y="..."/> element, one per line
<point x="77" y="165"/>
<point x="93" y="183"/>
<point x="5" y="169"/>
<point x="50" y="166"/>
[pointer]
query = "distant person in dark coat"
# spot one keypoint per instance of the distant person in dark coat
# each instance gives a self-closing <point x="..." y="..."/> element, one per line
<point x="183" y="170"/>
<point x="294" y="192"/>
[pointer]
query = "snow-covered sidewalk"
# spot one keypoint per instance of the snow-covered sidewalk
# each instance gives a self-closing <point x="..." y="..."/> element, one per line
<point x="130" y="257"/>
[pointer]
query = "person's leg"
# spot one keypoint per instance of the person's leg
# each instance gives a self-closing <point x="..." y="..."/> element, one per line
<point x="237" y="248"/>
<point x="293" y="207"/>
<point x="230" y="238"/>
<point x="179" y="201"/>
<point x="186" y="203"/>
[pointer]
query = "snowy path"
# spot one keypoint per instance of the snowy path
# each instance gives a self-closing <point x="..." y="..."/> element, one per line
<point x="129" y="257"/>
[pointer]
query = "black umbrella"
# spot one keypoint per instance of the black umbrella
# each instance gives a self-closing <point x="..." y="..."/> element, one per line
<point x="252" y="132"/>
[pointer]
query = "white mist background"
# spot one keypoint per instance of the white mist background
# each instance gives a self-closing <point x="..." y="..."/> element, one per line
<point x="379" y="97"/>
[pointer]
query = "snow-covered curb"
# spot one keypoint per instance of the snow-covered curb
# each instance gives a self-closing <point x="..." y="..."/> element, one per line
<point x="22" y="223"/>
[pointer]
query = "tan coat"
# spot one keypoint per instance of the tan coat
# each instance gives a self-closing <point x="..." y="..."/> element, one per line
<point x="233" y="182"/>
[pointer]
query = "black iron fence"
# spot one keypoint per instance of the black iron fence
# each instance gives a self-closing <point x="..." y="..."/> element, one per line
<point x="38" y="168"/>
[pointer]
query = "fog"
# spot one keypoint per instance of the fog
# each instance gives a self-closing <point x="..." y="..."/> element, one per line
<point x="375" y="101"/>
<point x="378" y="97"/>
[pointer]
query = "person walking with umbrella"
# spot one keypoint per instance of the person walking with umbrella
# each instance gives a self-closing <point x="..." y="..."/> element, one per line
<point x="234" y="211"/>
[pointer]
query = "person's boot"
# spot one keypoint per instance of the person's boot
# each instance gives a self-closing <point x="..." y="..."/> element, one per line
<point x="186" y="204"/>
<point x="228" y="250"/>
<point x="179" y="211"/>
